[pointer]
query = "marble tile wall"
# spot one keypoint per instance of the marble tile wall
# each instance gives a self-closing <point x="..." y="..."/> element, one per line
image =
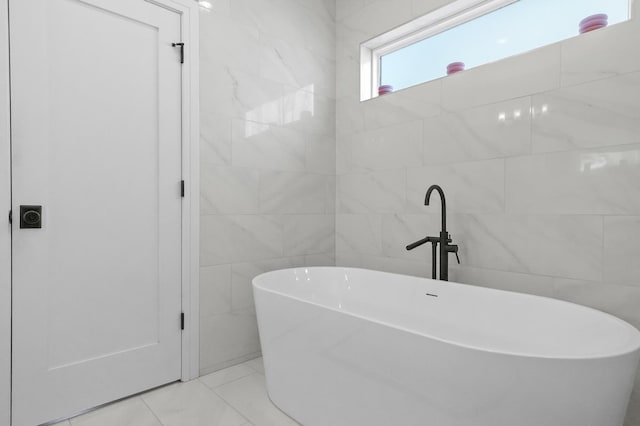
<point x="268" y="158"/>
<point x="539" y="156"/>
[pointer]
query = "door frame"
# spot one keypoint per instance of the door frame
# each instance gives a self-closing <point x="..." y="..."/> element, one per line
<point x="189" y="21"/>
<point x="5" y="227"/>
<point x="188" y="11"/>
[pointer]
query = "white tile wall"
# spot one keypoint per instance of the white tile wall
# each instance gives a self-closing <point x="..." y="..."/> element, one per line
<point x="264" y="146"/>
<point x="620" y="249"/>
<point x="228" y="338"/>
<point x="229" y="190"/>
<point x="243" y="273"/>
<point x="555" y="245"/>
<point x="391" y="147"/>
<point x="474" y="187"/>
<point x="215" y="290"/>
<point x="595" y="181"/>
<point x="593" y="56"/>
<point x="498" y="130"/>
<point x="588" y="115"/>
<point x="359" y="233"/>
<point x="371" y="192"/>
<point x="539" y="156"/>
<point x="268" y="160"/>
<point x="296" y="193"/>
<point x="528" y="73"/>
<point x="308" y="234"/>
<point x="399" y="229"/>
<point x="406" y="105"/>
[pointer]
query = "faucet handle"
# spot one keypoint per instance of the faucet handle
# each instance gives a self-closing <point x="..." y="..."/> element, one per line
<point x="418" y="243"/>
<point x="454" y="249"/>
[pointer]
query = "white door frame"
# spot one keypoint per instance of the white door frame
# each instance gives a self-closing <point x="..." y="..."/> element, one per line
<point x="5" y="228"/>
<point x="188" y="10"/>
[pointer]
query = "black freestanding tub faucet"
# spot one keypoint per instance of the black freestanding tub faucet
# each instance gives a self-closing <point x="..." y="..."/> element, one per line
<point x="444" y="239"/>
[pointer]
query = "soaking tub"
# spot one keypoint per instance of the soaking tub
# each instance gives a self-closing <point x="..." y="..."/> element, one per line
<point x="355" y="347"/>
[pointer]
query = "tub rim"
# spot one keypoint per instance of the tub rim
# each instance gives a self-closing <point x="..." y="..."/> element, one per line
<point x="625" y="324"/>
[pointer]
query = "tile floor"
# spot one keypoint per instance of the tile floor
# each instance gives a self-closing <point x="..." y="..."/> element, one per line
<point x="235" y="396"/>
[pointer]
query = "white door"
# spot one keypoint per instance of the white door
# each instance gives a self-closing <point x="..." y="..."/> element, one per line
<point x="96" y="141"/>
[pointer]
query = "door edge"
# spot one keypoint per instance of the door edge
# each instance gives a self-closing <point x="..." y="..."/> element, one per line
<point x="5" y="226"/>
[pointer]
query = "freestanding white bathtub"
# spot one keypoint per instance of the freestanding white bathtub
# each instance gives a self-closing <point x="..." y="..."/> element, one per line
<point x="355" y="347"/>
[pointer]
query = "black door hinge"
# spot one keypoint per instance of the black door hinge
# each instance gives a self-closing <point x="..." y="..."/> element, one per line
<point x="10" y="217"/>
<point x="181" y="46"/>
<point x="182" y="321"/>
<point x="182" y="188"/>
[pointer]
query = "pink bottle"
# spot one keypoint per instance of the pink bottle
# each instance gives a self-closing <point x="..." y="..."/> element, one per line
<point x="593" y="22"/>
<point x="384" y="89"/>
<point x="455" y="67"/>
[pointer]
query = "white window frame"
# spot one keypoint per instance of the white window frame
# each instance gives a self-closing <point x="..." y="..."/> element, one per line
<point x="438" y="21"/>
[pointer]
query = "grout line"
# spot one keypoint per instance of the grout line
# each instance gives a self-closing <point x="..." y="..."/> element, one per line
<point x="150" y="409"/>
<point x="230" y="381"/>
<point x="603" y="255"/>
<point x="534" y="274"/>
<point x="504" y="186"/>
<point x="226" y="402"/>
<point x="233" y="407"/>
<point x="213" y="389"/>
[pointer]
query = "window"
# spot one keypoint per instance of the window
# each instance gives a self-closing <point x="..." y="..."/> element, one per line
<point x="473" y="32"/>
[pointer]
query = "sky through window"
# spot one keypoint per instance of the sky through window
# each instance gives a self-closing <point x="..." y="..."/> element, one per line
<point x="513" y="29"/>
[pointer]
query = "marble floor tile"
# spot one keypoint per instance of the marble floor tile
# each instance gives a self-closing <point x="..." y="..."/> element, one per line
<point x="130" y="412"/>
<point x="191" y="403"/>
<point x="249" y="396"/>
<point x="235" y="396"/>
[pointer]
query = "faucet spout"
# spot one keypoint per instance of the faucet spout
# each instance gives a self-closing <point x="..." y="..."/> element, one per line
<point x="444" y="239"/>
<point x="442" y="202"/>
